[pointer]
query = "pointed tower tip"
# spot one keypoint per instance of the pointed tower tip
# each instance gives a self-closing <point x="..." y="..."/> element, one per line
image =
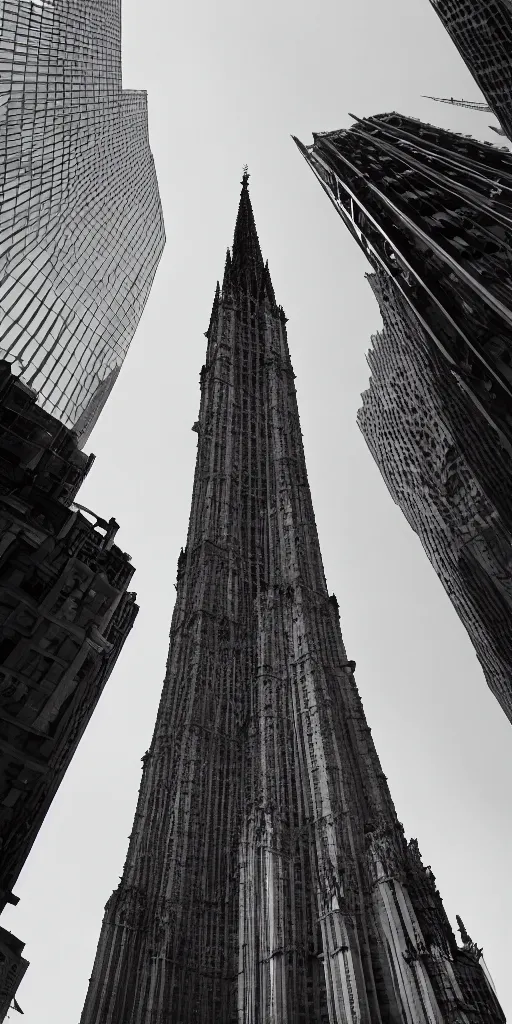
<point x="215" y="310"/>
<point x="246" y="258"/>
<point x="226" y="280"/>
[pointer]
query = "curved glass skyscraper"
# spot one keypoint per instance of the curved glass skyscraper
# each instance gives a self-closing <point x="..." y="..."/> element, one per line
<point x="81" y="229"/>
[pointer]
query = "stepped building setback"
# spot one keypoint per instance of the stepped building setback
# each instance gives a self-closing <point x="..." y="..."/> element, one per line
<point x="482" y="33"/>
<point x="81" y="229"/>
<point x="268" y="878"/>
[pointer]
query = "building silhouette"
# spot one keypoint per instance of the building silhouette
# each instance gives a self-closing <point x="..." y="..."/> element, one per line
<point x="81" y="229"/>
<point x="267" y="875"/>
<point x="431" y="210"/>
<point x="482" y="33"/>
<point x="65" y="614"/>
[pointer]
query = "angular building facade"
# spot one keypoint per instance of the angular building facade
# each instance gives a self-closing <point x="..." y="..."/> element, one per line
<point x="420" y="429"/>
<point x="268" y="880"/>
<point x="81" y="229"/>
<point x="482" y="33"/>
<point x="432" y="212"/>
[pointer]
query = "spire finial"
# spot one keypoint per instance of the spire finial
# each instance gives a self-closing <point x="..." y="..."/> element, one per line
<point x="245" y="175"/>
<point x="246" y="254"/>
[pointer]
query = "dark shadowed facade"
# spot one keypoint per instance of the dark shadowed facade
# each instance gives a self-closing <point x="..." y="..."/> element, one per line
<point x="65" y="614"/>
<point x="482" y="33"/>
<point x="81" y="229"/>
<point x="268" y="880"/>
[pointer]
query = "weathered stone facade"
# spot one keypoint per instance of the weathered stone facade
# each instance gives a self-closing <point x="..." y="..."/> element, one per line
<point x="268" y="880"/>
<point x="65" y="614"/>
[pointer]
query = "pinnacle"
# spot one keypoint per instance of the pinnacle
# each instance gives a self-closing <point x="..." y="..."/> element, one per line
<point x="215" y="310"/>
<point x="246" y="253"/>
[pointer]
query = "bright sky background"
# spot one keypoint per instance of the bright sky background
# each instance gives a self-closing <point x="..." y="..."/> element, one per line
<point x="228" y="83"/>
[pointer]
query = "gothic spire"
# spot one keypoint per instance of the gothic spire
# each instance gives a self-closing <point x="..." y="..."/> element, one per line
<point x="247" y="261"/>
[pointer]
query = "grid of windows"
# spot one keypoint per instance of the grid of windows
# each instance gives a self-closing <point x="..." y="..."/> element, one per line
<point x="81" y="229"/>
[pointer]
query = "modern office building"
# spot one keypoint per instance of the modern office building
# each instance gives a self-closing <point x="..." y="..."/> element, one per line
<point x="81" y="229"/>
<point x="423" y="434"/>
<point x="267" y="875"/>
<point x="482" y="33"/>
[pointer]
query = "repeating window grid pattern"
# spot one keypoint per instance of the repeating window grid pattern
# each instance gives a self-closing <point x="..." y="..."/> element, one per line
<point x="81" y="229"/>
<point x="482" y="32"/>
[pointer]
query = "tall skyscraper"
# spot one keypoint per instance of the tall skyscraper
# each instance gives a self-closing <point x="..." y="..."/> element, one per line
<point x="267" y="878"/>
<point x="419" y="428"/>
<point x="431" y="211"/>
<point x="482" y="33"/>
<point x="81" y="229"/>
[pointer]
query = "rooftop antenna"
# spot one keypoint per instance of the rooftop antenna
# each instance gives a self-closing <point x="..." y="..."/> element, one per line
<point x="469" y="105"/>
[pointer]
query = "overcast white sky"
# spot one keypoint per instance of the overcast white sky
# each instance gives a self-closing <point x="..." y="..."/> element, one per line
<point x="228" y="83"/>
